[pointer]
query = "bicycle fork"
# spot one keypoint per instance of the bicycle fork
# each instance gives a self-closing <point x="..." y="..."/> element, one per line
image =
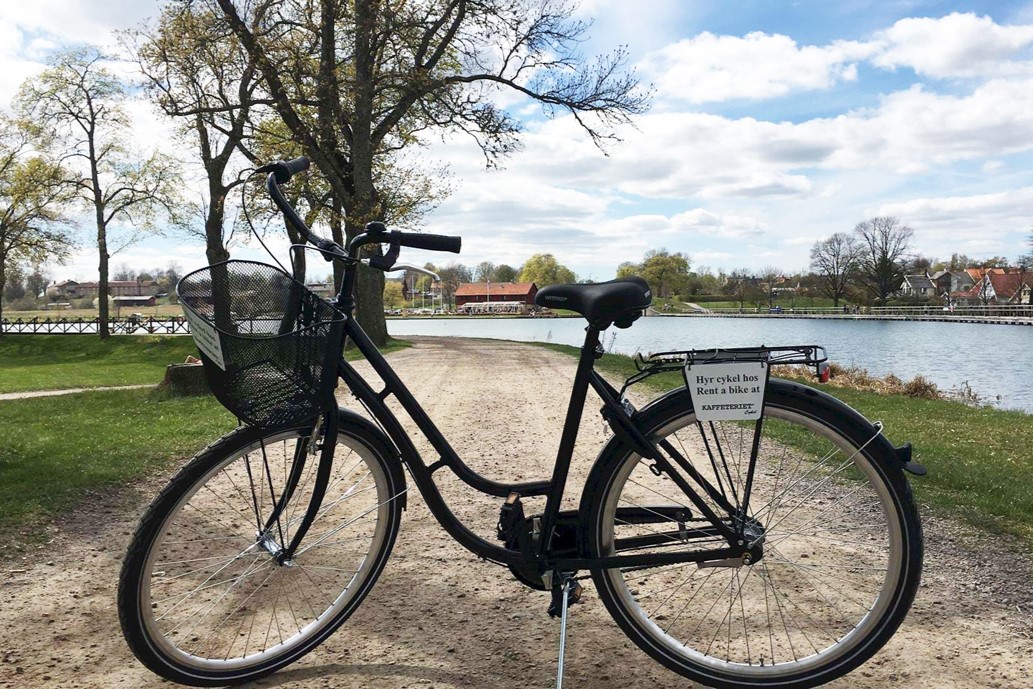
<point x="266" y="538"/>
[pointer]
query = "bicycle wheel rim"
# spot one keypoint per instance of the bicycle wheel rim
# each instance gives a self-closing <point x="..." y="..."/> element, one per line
<point x="358" y="493"/>
<point x="783" y="662"/>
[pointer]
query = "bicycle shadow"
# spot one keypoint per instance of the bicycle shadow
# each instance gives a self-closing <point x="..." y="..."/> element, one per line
<point x="370" y="671"/>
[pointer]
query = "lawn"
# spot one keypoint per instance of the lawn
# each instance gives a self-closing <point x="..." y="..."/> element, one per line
<point x="55" y="450"/>
<point x="980" y="459"/>
<point x="54" y="362"/>
<point x="160" y="311"/>
<point x="57" y="362"/>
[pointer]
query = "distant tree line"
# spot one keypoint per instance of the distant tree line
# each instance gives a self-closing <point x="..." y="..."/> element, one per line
<point x="865" y="266"/>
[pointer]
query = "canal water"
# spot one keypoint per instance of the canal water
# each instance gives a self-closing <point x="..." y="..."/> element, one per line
<point x="995" y="360"/>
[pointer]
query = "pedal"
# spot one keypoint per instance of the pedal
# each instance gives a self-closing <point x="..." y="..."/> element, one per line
<point x="511" y="519"/>
<point x="573" y="591"/>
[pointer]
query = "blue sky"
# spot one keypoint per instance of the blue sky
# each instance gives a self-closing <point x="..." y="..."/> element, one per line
<point x="774" y="124"/>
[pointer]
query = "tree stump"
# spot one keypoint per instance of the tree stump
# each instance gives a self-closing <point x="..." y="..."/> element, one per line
<point x="182" y="380"/>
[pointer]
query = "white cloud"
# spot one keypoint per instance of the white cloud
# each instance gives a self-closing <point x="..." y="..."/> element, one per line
<point x="981" y="224"/>
<point x="711" y="68"/>
<point x="957" y="45"/>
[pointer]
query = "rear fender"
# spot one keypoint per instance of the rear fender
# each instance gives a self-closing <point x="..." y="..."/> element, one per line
<point x="851" y="422"/>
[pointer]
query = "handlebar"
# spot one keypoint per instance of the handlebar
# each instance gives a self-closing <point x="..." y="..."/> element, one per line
<point x="280" y="172"/>
<point x="414" y="240"/>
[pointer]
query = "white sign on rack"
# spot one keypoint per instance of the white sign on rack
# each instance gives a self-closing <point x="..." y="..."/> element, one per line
<point x="727" y="391"/>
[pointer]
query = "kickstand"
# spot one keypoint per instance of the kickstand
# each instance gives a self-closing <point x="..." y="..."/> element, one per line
<point x="567" y="587"/>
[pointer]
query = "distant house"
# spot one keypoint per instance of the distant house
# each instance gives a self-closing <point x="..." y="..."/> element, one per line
<point x="998" y="286"/>
<point x="485" y="295"/>
<point x="949" y="281"/>
<point x="143" y="300"/>
<point x="66" y="289"/>
<point x="70" y="289"/>
<point x="918" y="287"/>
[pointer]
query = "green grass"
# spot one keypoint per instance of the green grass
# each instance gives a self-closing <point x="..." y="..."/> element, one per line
<point x="55" y="362"/>
<point x="980" y="459"/>
<point x="56" y="450"/>
<point x="159" y="311"/>
<point x="59" y="362"/>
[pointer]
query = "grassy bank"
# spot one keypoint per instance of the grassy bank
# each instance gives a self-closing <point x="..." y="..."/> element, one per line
<point x="55" y="362"/>
<point x="980" y="459"/>
<point x="56" y="450"/>
<point x="58" y="362"/>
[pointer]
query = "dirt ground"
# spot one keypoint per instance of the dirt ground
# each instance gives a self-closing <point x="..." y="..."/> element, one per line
<point x="439" y="617"/>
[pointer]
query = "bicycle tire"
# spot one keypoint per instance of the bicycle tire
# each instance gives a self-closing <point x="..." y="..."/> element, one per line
<point x="841" y="536"/>
<point x="241" y="620"/>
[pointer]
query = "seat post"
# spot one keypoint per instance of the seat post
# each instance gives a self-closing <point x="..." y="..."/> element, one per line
<point x="578" y="392"/>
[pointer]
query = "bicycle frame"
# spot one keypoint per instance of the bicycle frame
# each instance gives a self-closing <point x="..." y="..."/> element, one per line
<point x="613" y="411"/>
<point x="422" y="474"/>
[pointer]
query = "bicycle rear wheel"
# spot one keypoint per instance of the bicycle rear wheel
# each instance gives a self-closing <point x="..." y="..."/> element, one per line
<point x="203" y="598"/>
<point x="839" y="531"/>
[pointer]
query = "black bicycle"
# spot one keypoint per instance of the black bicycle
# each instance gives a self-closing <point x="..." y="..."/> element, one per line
<point x="743" y="530"/>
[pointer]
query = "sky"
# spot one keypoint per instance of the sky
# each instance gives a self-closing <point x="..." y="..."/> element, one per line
<point x="772" y="126"/>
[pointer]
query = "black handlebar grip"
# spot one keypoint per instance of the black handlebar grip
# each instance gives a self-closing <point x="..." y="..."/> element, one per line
<point x="297" y="165"/>
<point x="285" y="169"/>
<point x="431" y="242"/>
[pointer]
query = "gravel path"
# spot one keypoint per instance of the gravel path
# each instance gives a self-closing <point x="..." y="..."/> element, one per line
<point x="439" y="617"/>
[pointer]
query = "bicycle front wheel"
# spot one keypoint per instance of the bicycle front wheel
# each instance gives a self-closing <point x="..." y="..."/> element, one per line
<point x="203" y="597"/>
<point x="839" y="535"/>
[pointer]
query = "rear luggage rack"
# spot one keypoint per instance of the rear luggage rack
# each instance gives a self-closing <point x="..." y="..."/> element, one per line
<point x="664" y="362"/>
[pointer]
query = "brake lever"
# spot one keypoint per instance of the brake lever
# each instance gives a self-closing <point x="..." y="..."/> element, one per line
<point x="414" y="269"/>
<point x="386" y="261"/>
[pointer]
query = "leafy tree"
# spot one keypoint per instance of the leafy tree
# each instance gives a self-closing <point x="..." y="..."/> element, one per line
<point x="544" y="269"/>
<point x="36" y="282"/>
<point x="993" y="262"/>
<point x="742" y="283"/>
<point x="357" y="81"/>
<point x="627" y="269"/>
<point x="393" y="297"/>
<point x="484" y="271"/>
<point x="504" y="273"/>
<point x="14" y="282"/>
<point x="197" y="72"/>
<point x="1025" y="264"/>
<point x="453" y="275"/>
<point x="666" y="273"/>
<point x="769" y="276"/>
<point x="834" y="261"/>
<point x="76" y="107"/>
<point x="32" y="200"/>
<point x="885" y="245"/>
<point x="124" y="273"/>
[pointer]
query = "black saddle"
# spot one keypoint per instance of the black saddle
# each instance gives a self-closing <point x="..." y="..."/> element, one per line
<point x="618" y="301"/>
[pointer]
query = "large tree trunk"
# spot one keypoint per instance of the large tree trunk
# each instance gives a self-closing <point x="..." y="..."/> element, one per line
<point x="369" y="298"/>
<point x="102" y="285"/>
<point x="3" y="283"/>
<point x="215" y="249"/>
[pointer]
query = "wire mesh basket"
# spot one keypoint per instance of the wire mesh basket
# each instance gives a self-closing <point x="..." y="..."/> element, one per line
<point x="269" y="344"/>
